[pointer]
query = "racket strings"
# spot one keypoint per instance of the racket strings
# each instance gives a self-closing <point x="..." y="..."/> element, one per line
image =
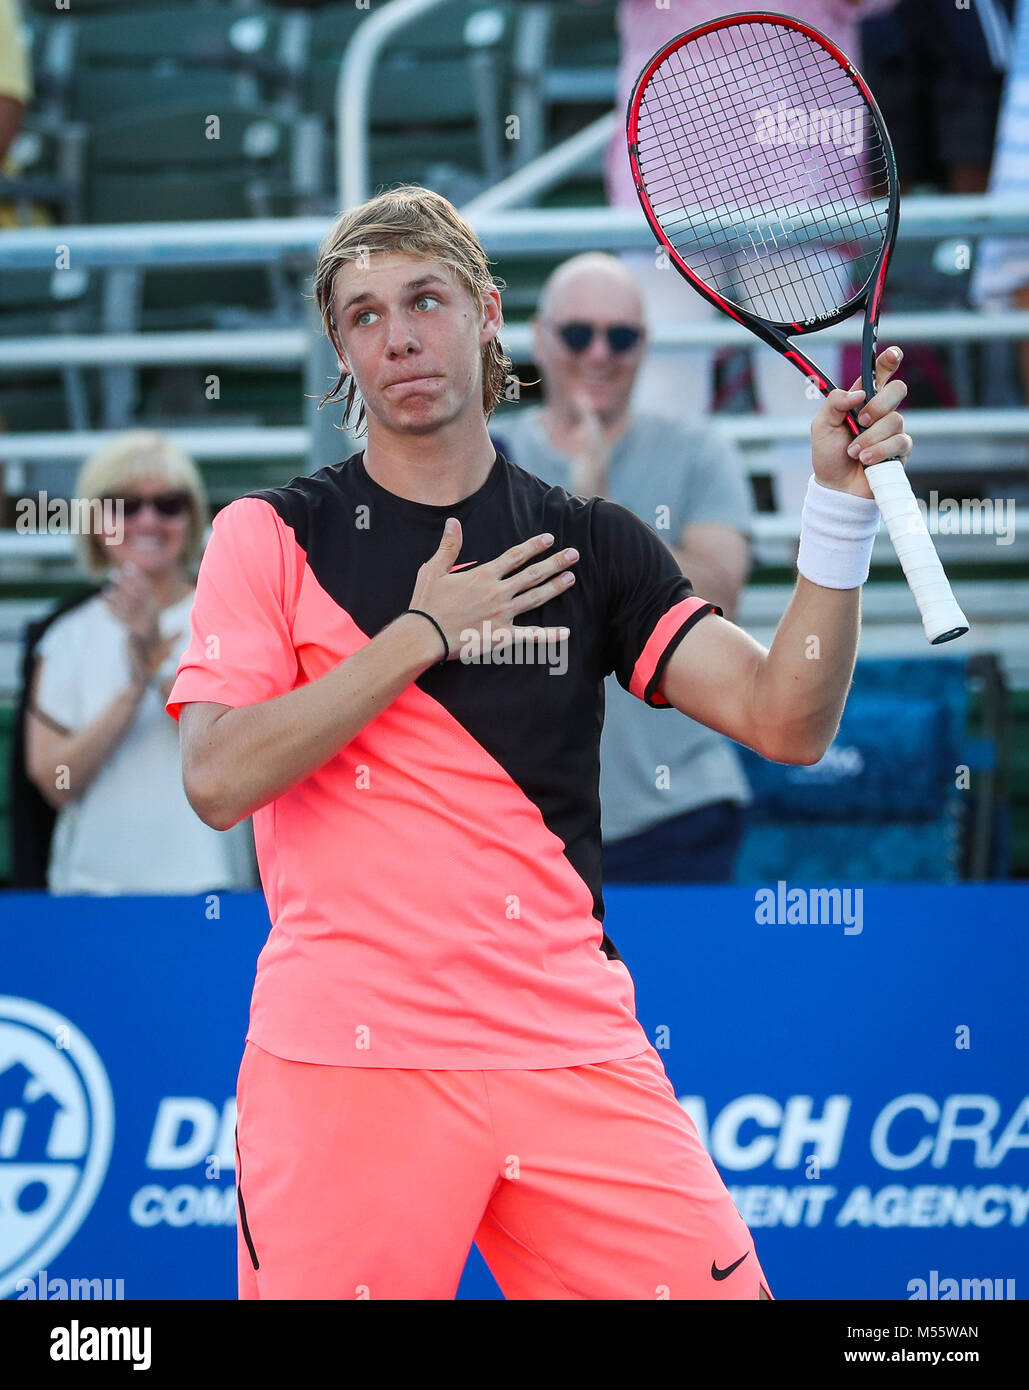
<point x="777" y="228"/>
<point x="774" y="229"/>
<point x="765" y="169"/>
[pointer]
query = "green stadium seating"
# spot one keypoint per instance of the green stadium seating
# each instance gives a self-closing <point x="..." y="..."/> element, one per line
<point x="43" y="302"/>
<point x="583" y="40"/>
<point x="102" y="94"/>
<point x="95" y="61"/>
<point x="37" y="405"/>
<point x="47" y="301"/>
<point x="332" y="28"/>
<point x="170" y="57"/>
<point x="438" y="98"/>
<point x="177" y="164"/>
<point x="194" y="35"/>
<point x="165" y="168"/>
<point x="566" y="70"/>
<point x="48" y="155"/>
<point x="524" y="276"/>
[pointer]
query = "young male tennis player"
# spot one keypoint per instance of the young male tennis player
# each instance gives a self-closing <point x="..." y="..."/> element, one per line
<point x="443" y="1044"/>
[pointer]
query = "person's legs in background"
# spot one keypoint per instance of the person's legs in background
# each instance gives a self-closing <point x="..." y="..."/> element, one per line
<point x="699" y="846"/>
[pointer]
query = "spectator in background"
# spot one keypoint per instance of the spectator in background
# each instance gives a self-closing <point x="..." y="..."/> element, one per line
<point x="1002" y="268"/>
<point x="15" y="79"/>
<point x="671" y="791"/>
<point x="937" y="69"/>
<point x="98" y="745"/>
<point x="15" y="91"/>
<point x="680" y="381"/>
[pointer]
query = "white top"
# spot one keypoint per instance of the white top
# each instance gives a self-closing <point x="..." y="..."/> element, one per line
<point x="132" y="831"/>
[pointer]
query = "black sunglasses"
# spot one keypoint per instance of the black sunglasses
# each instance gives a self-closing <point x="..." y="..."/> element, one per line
<point x="621" y="337"/>
<point x="165" y="503"/>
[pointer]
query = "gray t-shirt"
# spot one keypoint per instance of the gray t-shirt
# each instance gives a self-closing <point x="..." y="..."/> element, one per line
<point x="652" y="766"/>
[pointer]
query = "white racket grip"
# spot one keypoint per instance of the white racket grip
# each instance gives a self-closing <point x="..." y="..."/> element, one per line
<point x="891" y="488"/>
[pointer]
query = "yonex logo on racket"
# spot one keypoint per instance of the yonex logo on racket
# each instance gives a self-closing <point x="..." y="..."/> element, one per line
<point x="842" y="128"/>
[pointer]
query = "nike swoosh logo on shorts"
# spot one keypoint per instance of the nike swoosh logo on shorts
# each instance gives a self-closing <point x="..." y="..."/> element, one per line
<point x="717" y="1273"/>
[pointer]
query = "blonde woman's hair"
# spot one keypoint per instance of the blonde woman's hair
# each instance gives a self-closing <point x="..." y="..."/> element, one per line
<point x="412" y="220"/>
<point x="132" y="457"/>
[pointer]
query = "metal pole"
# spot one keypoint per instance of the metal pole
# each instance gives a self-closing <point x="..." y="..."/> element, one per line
<point x="353" y="94"/>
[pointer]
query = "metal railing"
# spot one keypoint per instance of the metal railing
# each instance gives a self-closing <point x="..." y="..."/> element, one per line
<point x="243" y="442"/>
<point x="523" y="232"/>
<point x="290" y="346"/>
<point x="516" y="232"/>
<point x="353" y="93"/>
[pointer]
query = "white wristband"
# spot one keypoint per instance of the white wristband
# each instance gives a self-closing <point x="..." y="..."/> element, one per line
<point x="837" y="532"/>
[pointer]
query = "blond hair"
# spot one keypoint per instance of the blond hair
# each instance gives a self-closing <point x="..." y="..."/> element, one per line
<point x="417" y="222"/>
<point x="135" y="456"/>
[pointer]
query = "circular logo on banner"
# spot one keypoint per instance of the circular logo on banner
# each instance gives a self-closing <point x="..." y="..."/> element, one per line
<point x="56" y="1135"/>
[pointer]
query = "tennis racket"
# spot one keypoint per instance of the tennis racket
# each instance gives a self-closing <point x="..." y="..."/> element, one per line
<point x="765" y="170"/>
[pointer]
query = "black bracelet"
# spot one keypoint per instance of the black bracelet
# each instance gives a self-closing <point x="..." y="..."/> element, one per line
<point x="446" y="644"/>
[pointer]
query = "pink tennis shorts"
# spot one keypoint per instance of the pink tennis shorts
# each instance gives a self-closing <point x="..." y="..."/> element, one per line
<point x="574" y="1182"/>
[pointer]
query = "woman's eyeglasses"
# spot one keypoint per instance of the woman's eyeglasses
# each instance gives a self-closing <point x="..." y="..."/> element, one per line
<point x="164" y="504"/>
<point x="621" y="337"/>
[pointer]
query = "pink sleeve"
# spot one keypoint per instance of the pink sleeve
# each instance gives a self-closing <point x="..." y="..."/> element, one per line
<point x="241" y="646"/>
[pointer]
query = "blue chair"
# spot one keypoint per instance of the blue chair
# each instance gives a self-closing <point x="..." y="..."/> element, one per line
<point x="889" y="801"/>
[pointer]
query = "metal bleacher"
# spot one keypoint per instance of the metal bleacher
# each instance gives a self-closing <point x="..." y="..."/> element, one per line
<point x="188" y="249"/>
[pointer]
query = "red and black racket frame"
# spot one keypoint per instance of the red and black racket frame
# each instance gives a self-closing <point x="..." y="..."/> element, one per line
<point x="777" y="335"/>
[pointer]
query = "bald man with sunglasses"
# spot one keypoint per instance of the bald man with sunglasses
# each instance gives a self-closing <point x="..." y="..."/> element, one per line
<point x="672" y="791"/>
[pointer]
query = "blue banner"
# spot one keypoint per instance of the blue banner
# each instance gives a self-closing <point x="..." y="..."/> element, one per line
<point x="855" y="1061"/>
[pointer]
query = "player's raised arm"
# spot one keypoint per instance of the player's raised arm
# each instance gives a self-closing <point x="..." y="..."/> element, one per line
<point x="786" y="702"/>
